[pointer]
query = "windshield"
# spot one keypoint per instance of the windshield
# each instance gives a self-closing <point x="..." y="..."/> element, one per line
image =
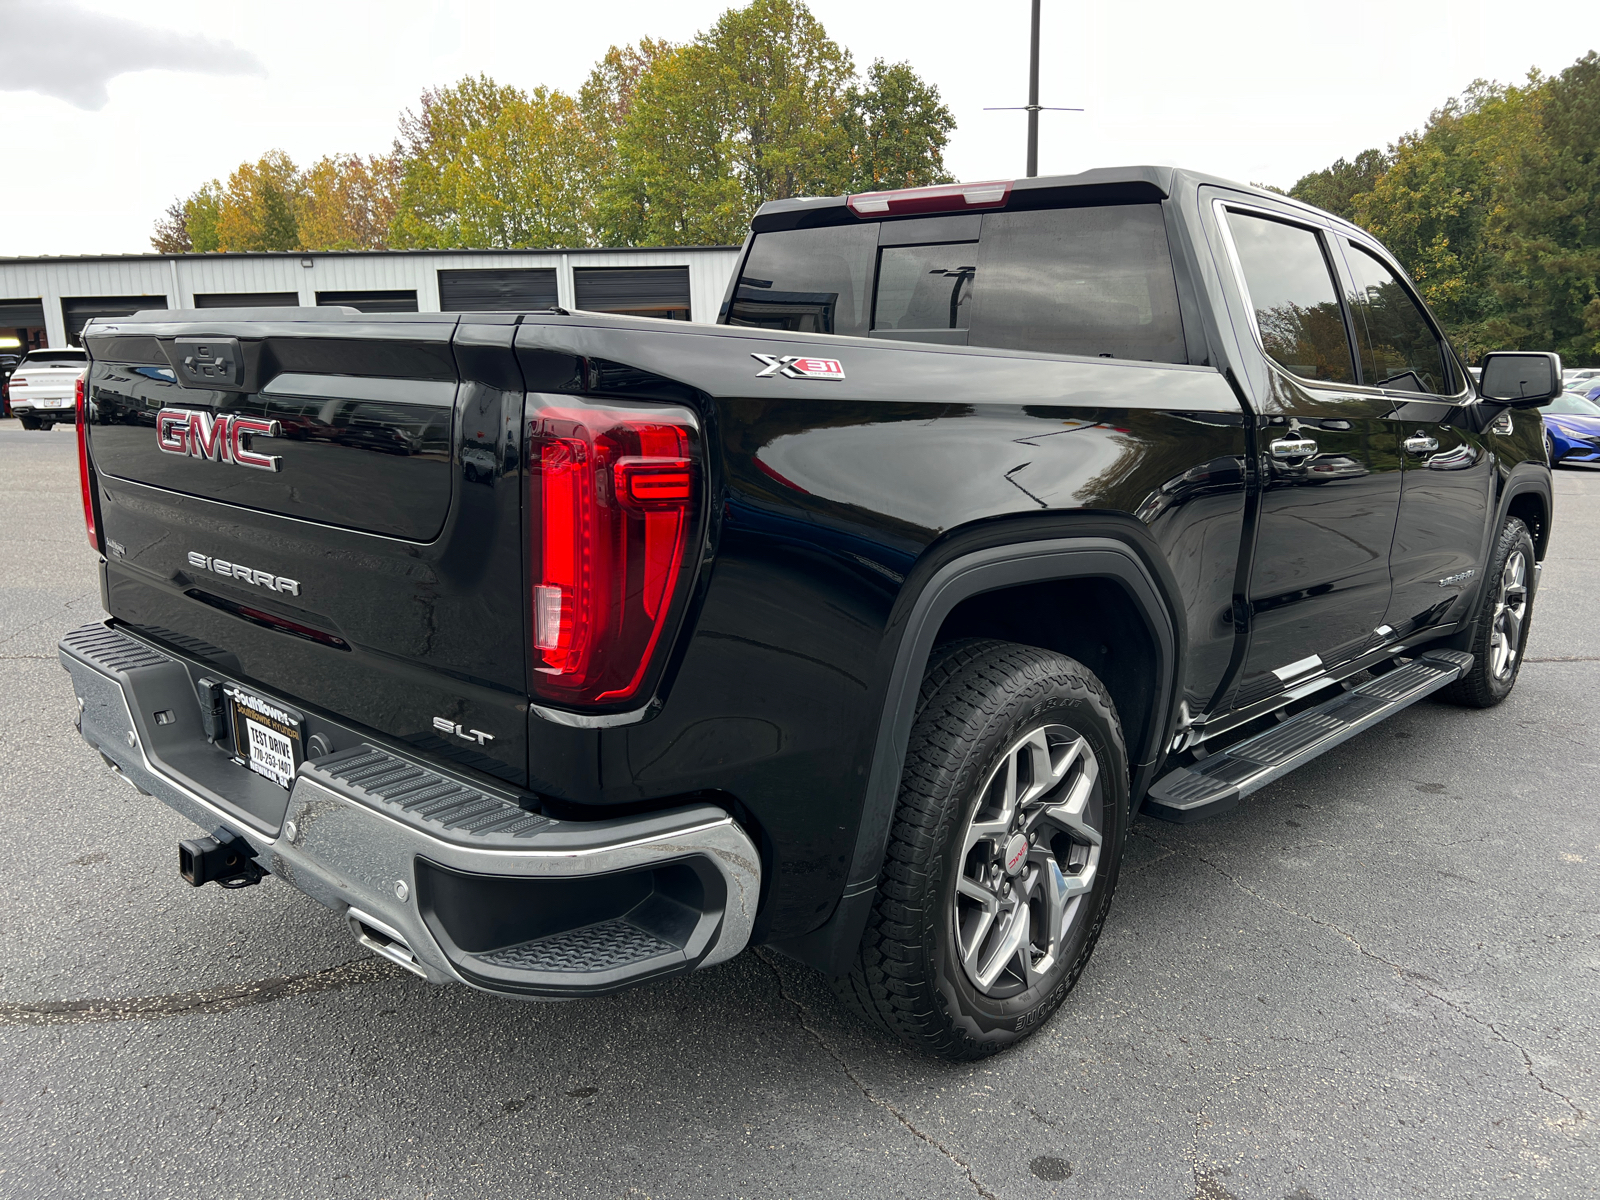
<point x="55" y="358"/>
<point x="1571" y="404"/>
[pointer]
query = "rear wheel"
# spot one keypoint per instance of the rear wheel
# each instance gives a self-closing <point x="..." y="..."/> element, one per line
<point x="29" y="422"/>
<point x="1003" y="855"/>
<point x="1505" y="615"/>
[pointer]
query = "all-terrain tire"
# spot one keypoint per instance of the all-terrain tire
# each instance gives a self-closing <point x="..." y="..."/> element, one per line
<point x="1492" y="675"/>
<point x="977" y="700"/>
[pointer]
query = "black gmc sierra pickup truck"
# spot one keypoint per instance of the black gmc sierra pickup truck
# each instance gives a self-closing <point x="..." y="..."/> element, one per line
<point x="558" y="652"/>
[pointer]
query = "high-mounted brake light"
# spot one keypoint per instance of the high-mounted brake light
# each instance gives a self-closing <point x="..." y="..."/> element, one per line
<point x="614" y="503"/>
<point x="80" y="402"/>
<point x="941" y="198"/>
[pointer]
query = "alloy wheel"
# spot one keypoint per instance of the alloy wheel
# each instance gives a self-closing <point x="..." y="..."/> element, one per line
<point x="1510" y="609"/>
<point x="1029" y="856"/>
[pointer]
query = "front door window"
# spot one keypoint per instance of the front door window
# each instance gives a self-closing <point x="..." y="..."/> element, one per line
<point x="1398" y="347"/>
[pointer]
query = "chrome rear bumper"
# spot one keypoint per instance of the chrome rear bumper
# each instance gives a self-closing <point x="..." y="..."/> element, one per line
<point x="448" y="877"/>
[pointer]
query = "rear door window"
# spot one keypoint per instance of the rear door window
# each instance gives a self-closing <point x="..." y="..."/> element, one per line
<point x="1399" y="349"/>
<point x="1292" y="293"/>
<point x="808" y="280"/>
<point x="1091" y="281"/>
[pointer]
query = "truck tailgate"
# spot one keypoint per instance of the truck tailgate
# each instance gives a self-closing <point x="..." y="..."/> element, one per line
<point x="335" y="519"/>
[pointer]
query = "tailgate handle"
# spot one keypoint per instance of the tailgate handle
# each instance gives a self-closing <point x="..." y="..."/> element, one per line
<point x="209" y="362"/>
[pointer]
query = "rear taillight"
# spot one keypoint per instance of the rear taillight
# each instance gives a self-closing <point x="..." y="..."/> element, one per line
<point x="614" y="498"/>
<point x="84" y="480"/>
<point x="941" y="198"/>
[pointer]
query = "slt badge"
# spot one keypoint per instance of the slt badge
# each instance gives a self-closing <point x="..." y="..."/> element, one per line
<point x="795" y="366"/>
<point x="468" y="735"/>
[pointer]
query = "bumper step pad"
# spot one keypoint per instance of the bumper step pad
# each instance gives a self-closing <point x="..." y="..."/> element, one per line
<point x="602" y="947"/>
<point x="1217" y="784"/>
<point x="443" y="807"/>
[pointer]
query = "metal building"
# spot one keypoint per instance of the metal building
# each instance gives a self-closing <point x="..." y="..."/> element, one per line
<point x="47" y="301"/>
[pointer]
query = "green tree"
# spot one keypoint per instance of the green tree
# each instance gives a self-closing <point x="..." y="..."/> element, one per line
<point x="430" y="141"/>
<point x="524" y="179"/>
<point x="897" y="129"/>
<point x="1438" y="208"/>
<point x="202" y="213"/>
<point x="1549" y="218"/>
<point x="1336" y="188"/>
<point x="750" y="111"/>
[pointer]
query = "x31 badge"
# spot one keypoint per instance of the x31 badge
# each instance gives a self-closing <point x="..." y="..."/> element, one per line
<point x="795" y="366"/>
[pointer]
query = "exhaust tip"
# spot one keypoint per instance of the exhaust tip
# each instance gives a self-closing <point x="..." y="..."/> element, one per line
<point x="383" y="941"/>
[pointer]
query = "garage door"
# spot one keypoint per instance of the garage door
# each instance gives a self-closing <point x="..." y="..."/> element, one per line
<point x="637" y="291"/>
<point x="496" y="290"/>
<point x="21" y="314"/>
<point x="247" y="300"/>
<point x="80" y="310"/>
<point x="373" y="302"/>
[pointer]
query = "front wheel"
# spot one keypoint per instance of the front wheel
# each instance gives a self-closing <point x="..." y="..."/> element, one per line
<point x="1550" y="449"/>
<point x="1505" y="615"/>
<point x="1004" y="852"/>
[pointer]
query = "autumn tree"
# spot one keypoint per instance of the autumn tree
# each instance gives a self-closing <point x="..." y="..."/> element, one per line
<point x="260" y="205"/>
<point x="347" y="203"/>
<point x="171" y="235"/>
<point x="662" y="145"/>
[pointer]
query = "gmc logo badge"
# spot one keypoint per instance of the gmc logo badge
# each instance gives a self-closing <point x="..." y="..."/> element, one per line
<point x="220" y="438"/>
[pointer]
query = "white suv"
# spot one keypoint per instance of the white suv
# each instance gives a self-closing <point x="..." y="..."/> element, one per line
<point x="43" y="387"/>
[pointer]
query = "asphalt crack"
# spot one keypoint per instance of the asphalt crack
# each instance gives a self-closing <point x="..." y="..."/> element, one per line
<point x="861" y="1086"/>
<point x="1405" y="975"/>
<point x="216" y="1000"/>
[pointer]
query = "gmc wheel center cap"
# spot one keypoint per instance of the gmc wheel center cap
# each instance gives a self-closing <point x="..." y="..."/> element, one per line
<point x="1016" y="853"/>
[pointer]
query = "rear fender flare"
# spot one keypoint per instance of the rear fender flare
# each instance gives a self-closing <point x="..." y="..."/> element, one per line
<point x="832" y="947"/>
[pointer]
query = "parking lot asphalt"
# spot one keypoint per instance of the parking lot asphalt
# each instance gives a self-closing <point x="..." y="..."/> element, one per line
<point x="1377" y="978"/>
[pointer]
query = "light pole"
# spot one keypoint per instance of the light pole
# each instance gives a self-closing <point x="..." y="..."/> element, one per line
<point x="1033" y="108"/>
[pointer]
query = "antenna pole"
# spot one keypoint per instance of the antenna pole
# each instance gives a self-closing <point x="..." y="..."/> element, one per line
<point x="1033" y="96"/>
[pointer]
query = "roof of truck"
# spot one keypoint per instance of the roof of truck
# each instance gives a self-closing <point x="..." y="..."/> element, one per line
<point x="1104" y="185"/>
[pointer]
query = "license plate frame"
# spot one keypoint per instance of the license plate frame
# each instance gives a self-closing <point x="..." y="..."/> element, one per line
<point x="267" y="736"/>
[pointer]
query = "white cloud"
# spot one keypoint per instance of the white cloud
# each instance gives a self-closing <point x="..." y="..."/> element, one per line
<point x="70" y="53"/>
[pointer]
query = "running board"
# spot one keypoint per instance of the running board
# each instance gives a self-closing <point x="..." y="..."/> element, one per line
<point x="1216" y="784"/>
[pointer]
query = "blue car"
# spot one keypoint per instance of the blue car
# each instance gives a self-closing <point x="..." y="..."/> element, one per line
<point x="1572" y="429"/>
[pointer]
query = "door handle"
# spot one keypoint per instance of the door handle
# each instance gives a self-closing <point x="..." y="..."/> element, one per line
<point x="1300" y="447"/>
<point x="1421" y="444"/>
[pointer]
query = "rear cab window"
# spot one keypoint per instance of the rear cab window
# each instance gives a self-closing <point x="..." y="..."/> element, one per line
<point x="1089" y="281"/>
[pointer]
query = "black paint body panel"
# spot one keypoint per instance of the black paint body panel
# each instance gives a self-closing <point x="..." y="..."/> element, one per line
<point x="831" y="504"/>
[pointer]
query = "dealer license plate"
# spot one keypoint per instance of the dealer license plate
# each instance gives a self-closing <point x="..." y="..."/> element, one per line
<point x="266" y="736"/>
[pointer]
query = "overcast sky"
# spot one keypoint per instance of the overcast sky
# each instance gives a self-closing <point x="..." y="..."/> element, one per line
<point x="1256" y="90"/>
